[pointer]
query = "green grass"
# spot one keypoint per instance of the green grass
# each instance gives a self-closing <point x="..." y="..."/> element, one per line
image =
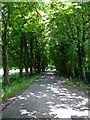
<point x="78" y="83"/>
<point x="17" y="85"/>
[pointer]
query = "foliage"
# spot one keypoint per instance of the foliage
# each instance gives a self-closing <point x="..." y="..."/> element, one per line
<point x="36" y="36"/>
<point x="81" y="85"/>
<point x="69" y="36"/>
<point x="16" y="87"/>
<point x="23" y="43"/>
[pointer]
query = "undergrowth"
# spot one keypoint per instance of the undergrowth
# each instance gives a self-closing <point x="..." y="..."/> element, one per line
<point x="16" y="85"/>
<point x="77" y="82"/>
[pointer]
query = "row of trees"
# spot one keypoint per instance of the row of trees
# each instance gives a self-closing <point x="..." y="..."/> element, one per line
<point x="23" y="39"/>
<point x="69" y="26"/>
<point x="35" y="34"/>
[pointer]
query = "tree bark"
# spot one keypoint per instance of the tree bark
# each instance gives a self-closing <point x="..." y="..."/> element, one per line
<point x="39" y="64"/>
<point x="5" y="54"/>
<point x="79" y="52"/>
<point x="83" y="51"/>
<point x="72" y="71"/>
<point x="26" y="55"/>
<point x="31" y="53"/>
<point x="21" y="55"/>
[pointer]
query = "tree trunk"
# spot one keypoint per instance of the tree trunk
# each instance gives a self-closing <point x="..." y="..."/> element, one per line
<point x="83" y="53"/>
<point x="35" y="69"/>
<point x="79" y="52"/>
<point x="84" y="74"/>
<point x="26" y="55"/>
<point x="31" y="54"/>
<point x="5" y="54"/>
<point x="39" y="65"/>
<point x="21" y="55"/>
<point x="72" y="71"/>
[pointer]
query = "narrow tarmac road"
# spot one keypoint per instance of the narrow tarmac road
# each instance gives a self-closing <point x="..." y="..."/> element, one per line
<point x="48" y="97"/>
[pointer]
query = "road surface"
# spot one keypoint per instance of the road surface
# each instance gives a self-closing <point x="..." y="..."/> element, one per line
<point x="48" y="97"/>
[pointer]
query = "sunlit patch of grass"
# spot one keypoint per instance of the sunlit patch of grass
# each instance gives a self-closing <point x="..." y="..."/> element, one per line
<point x="15" y="87"/>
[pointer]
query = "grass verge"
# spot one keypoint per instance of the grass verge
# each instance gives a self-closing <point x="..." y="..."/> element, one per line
<point x="17" y="86"/>
<point x="77" y="83"/>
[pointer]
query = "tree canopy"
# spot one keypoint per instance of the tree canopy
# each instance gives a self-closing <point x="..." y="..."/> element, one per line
<point x="69" y="38"/>
<point x="35" y="34"/>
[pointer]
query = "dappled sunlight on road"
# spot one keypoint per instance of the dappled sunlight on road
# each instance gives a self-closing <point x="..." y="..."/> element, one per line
<point x="49" y="98"/>
<point x="25" y="112"/>
<point x="65" y="112"/>
<point x="21" y="98"/>
<point x="69" y="103"/>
